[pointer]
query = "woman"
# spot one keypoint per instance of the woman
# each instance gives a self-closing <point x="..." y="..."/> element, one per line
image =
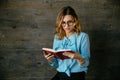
<point x="68" y="35"/>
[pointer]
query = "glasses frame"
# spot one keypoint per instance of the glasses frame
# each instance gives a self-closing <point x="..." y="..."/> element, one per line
<point x="69" y="23"/>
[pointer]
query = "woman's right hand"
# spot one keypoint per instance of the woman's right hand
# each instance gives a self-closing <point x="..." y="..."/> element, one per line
<point x="48" y="56"/>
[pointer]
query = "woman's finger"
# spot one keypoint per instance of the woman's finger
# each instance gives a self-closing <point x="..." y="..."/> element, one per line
<point x="49" y="57"/>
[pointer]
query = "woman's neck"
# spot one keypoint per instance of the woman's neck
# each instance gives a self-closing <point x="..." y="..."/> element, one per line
<point x="69" y="34"/>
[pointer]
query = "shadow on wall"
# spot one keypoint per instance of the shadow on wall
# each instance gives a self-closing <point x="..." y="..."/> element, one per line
<point x="114" y="2"/>
<point x="104" y="60"/>
<point x="116" y="8"/>
<point x="99" y="54"/>
<point x="2" y="75"/>
<point x="3" y="3"/>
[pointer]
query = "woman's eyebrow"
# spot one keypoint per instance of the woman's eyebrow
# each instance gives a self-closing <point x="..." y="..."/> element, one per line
<point x="67" y="21"/>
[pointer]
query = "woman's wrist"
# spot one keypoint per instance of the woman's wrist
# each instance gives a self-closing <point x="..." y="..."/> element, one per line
<point x="79" y="58"/>
<point x="51" y="61"/>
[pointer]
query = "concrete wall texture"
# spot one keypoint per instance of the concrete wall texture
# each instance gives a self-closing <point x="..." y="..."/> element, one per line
<point x="27" y="25"/>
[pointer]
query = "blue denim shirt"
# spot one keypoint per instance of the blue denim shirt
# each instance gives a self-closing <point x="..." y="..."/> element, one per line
<point x="78" y="43"/>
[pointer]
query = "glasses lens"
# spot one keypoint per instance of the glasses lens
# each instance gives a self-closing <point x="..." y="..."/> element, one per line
<point x="69" y="23"/>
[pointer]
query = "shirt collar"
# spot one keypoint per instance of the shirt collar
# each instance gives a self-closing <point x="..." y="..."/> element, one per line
<point x="70" y="40"/>
<point x="71" y="37"/>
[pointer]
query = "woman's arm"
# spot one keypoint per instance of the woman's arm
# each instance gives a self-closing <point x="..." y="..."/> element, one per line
<point x="83" y="57"/>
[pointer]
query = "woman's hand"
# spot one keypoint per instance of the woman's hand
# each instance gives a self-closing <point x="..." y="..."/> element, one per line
<point x="69" y="54"/>
<point x="75" y="55"/>
<point x="48" y="56"/>
<point x="79" y="58"/>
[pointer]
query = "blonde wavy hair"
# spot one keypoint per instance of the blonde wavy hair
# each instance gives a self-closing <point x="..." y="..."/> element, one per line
<point x="62" y="13"/>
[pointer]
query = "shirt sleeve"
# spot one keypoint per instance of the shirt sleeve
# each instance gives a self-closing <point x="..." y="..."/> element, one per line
<point x="85" y="49"/>
<point x="55" y="45"/>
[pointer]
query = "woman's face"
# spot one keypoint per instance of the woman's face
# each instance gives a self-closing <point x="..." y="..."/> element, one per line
<point x="68" y="24"/>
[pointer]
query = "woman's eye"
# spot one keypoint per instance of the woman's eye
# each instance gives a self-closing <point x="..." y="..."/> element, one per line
<point x="63" y="22"/>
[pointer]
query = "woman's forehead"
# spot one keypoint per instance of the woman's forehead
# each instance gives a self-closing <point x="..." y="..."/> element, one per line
<point x="67" y="17"/>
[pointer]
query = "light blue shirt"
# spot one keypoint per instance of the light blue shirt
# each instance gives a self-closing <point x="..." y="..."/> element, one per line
<point x="78" y="43"/>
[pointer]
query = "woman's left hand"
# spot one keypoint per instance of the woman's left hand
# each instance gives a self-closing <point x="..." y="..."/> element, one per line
<point x="69" y="54"/>
<point x="75" y="55"/>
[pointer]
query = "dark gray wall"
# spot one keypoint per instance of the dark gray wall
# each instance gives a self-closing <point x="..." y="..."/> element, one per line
<point x="27" y="25"/>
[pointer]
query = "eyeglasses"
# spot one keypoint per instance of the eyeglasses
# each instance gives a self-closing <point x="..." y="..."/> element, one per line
<point x="69" y="23"/>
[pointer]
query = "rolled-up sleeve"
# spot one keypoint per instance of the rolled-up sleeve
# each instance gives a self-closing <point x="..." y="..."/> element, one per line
<point x="55" y="45"/>
<point x="85" y="49"/>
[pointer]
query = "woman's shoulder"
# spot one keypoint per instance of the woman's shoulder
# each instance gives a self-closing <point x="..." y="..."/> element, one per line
<point x="56" y="38"/>
<point x="83" y="34"/>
